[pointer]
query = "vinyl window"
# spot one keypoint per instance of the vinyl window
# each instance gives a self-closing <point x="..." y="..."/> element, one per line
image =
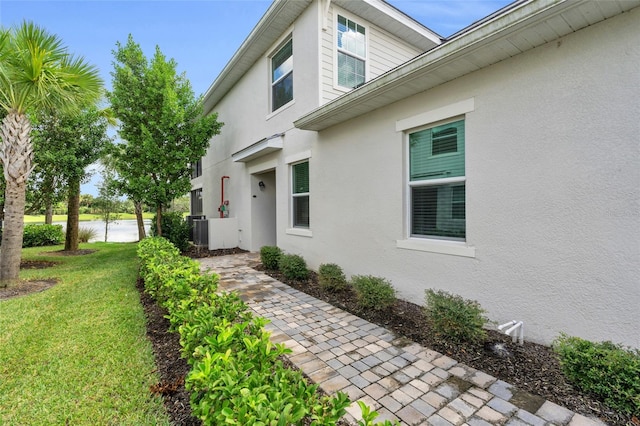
<point x="437" y="182"/>
<point x="282" y="76"/>
<point x="352" y="53"/>
<point x="300" y="194"/>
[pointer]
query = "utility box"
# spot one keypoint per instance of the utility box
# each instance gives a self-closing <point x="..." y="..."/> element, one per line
<point x="201" y="232"/>
<point x="190" y="220"/>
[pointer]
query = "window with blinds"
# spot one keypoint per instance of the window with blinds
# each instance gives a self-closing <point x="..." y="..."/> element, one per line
<point x="437" y="182"/>
<point x="352" y="53"/>
<point x="282" y="76"/>
<point x="300" y="194"/>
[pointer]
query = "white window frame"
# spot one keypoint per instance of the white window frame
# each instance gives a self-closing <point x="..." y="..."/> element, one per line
<point x="303" y="157"/>
<point x="338" y="50"/>
<point x="272" y="83"/>
<point x="407" y="126"/>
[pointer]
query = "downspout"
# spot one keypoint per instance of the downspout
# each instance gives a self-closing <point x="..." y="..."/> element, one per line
<point x="222" y="195"/>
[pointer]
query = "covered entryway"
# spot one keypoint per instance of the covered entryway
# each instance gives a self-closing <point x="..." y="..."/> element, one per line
<point x="263" y="209"/>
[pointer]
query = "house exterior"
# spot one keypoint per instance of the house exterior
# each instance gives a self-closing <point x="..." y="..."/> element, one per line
<point x="501" y="164"/>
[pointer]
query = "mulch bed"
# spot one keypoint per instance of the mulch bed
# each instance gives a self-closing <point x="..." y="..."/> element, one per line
<point x="532" y="368"/>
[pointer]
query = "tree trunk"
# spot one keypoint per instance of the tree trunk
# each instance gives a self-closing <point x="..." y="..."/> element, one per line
<point x="48" y="214"/>
<point x="73" y="216"/>
<point x="106" y="226"/>
<point x="159" y="221"/>
<point x="16" y="154"/>
<point x="142" y="234"/>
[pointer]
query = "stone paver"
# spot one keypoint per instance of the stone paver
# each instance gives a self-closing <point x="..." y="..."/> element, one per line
<point x="402" y="380"/>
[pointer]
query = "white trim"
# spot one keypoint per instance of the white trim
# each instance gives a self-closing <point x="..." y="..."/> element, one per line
<point x="197" y="185"/>
<point x="301" y="156"/>
<point x="300" y="232"/>
<point x="443" y="113"/>
<point x="263" y="167"/>
<point x="259" y="149"/>
<point x="454" y="248"/>
<point x="279" y="45"/>
<point x="441" y="181"/>
<point x="279" y="110"/>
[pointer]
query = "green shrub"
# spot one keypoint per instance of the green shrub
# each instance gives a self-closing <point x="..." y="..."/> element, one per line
<point x="42" y="235"/>
<point x="293" y="267"/>
<point x="269" y="256"/>
<point x="455" y="318"/>
<point x="174" y="229"/>
<point x="237" y="375"/>
<point x="605" y="369"/>
<point x="86" y="234"/>
<point x="373" y="292"/>
<point x="331" y="277"/>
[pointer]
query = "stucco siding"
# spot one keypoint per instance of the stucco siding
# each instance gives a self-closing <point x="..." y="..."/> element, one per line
<point x="552" y="194"/>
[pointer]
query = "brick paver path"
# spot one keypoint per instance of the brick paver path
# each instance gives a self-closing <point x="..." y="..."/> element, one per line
<point x="402" y="380"/>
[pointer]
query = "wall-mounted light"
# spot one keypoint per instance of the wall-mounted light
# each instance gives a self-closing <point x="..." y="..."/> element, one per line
<point x="261" y="185"/>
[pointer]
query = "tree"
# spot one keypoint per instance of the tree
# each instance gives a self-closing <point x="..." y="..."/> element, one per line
<point x="162" y="127"/>
<point x="108" y="203"/>
<point x="36" y="72"/>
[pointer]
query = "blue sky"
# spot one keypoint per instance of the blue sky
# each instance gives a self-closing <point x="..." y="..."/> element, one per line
<point x="200" y="35"/>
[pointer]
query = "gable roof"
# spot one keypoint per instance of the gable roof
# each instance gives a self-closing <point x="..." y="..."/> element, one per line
<point x="283" y="13"/>
<point x="514" y="29"/>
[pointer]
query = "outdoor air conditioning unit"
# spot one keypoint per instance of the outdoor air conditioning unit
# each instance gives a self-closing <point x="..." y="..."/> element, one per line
<point x="190" y="220"/>
<point x="201" y="232"/>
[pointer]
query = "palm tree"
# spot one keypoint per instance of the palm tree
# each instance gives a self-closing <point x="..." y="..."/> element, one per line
<point x="36" y="72"/>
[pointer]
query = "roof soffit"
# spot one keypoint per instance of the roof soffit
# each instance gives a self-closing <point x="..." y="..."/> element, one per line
<point x="481" y="46"/>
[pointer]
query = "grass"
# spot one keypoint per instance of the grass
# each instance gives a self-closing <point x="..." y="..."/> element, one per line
<point x="83" y="217"/>
<point x="77" y="353"/>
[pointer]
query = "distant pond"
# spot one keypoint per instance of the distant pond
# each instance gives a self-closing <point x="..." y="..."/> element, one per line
<point x="120" y="231"/>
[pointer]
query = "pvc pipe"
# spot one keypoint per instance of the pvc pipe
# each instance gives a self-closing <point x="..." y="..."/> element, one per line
<point x="507" y="324"/>
<point x="514" y="327"/>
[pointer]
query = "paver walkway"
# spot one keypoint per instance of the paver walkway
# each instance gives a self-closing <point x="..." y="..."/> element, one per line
<point x="402" y="380"/>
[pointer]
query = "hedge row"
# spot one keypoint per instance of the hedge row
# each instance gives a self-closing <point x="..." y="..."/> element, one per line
<point x="237" y="376"/>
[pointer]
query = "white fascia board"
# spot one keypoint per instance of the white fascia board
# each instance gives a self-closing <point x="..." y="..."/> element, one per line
<point x="259" y="149"/>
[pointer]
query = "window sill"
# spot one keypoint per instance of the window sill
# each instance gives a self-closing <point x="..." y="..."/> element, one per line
<point x="453" y="248"/>
<point x="301" y="232"/>
<point x="282" y="108"/>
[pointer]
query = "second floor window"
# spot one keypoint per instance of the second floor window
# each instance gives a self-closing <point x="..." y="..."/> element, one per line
<point x="352" y="53"/>
<point x="196" y="169"/>
<point x="282" y="76"/>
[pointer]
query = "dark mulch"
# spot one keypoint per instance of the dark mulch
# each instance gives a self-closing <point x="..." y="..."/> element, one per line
<point x="25" y="287"/>
<point x="171" y="368"/>
<point x="195" y="252"/>
<point x="534" y="369"/>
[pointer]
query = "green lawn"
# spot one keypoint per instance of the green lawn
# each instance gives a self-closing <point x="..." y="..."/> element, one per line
<point x="83" y="217"/>
<point x="77" y="353"/>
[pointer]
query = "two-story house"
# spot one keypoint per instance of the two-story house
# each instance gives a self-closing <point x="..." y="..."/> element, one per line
<point x="501" y="164"/>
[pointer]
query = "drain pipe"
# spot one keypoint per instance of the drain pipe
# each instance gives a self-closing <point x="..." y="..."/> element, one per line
<point x="222" y="195"/>
<point x="512" y="328"/>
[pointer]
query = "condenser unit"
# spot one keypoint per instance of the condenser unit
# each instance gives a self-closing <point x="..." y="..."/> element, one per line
<point x="201" y="232"/>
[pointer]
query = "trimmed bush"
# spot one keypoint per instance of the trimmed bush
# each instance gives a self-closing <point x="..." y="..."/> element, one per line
<point x="455" y="318"/>
<point x="293" y="267"/>
<point x="86" y="234"/>
<point x="269" y="256"/>
<point x="331" y="277"/>
<point x="605" y="369"/>
<point x="42" y="235"/>
<point x="237" y="375"/>
<point x="174" y="229"/>
<point x="373" y="292"/>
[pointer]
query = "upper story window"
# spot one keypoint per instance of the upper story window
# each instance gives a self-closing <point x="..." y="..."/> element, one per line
<point x="352" y="53"/>
<point x="196" y="169"/>
<point x="282" y="76"/>
<point x="437" y="182"/>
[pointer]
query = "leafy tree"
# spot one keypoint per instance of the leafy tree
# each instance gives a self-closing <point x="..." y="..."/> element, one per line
<point x="162" y="127"/>
<point x="108" y="202"/>
<point x="36" y="72"/>
<point x="67" y="144"/>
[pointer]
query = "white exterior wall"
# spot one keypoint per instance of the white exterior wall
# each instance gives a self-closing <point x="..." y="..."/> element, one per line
<point x="384" y="52"/>
<point x="247" y="117"/>
<point x="553" y="190"/>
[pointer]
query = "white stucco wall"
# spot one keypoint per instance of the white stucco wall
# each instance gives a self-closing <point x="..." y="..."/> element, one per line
<point x="553" y="190"/>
